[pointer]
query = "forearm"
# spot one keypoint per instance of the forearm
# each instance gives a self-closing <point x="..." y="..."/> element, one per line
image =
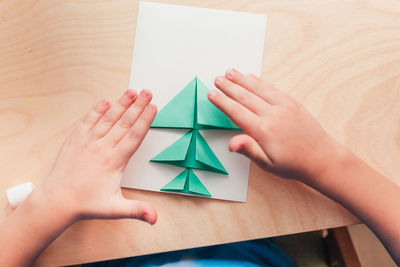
<point x="96" y="153"/>
<point x="282" y="137"/>
<point x="31" y="228"/>
<point x="366" y="193"/>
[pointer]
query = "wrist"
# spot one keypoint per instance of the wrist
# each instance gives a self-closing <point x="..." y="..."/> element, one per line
<point x="332" y="157"/>
<point x="34" y="224"/>
<point x="43" y="200"/>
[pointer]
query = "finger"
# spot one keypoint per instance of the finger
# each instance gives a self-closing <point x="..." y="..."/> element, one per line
<point x="241" y="95"/>
<point x="247" y="146"/>
<point x="135" y="209"/>
<point x="134" y="137"/>
<point x="254" y="84"/>
<point x="91" y="118"/>
<point x="240" y="115"/>
<point x="113" y="114"/>
<point x="127" y="120"/>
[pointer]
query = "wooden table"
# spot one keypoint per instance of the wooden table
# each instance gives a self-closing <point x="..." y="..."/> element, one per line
<point x="341" y="59"/>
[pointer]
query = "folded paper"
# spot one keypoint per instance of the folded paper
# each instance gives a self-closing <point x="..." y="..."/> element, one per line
<point x="187" y="182"/>
<point x="191" y="151"/>
<point x="191" y="109"/>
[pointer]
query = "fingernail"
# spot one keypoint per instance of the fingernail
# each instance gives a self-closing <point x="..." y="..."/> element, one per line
<point x="103" y="103"/>
<point x="239" y="148"/>
<point x="219" y="80"/>
<point x="213" y="93"/>
<point x="230" y="73"/>
<point x="144" y="93"/>
<point x="147" y="218"/>
<point x="130" y="94"/>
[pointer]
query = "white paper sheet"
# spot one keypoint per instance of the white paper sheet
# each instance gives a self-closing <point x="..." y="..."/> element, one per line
<point x="173" y="44"/>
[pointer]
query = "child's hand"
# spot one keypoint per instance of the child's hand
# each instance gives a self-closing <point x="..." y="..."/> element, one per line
<point x="281" y="136"/>
<point x="85" y="179"/>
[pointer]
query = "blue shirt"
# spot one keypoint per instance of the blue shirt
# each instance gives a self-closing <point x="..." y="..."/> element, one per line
<point x="262" y="252"/>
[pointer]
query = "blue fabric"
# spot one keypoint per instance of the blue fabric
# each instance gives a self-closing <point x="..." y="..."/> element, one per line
<point x="254" y="253"/>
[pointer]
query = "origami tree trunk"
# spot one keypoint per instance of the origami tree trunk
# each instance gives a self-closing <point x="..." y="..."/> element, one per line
<point x="191" y="109"/>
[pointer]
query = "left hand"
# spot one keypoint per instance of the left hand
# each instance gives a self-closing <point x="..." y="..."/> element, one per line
<point x="86" y="176"/>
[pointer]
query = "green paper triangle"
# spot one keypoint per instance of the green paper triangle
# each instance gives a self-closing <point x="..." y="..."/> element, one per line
<point x="208" y="115"/>
<point x="178" y="183"/>
<point x="179" y="112"/>
<point x="191" y="151"/>
<point x="196" y="186"/>
<point x="187" y="182"/>
<point x="205" y="155"/>
<point x="175" y="152"/>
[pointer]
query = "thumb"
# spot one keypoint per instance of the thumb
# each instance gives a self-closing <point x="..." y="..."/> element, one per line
<point x="135" y="209"/>
<point x="246" y="145"/>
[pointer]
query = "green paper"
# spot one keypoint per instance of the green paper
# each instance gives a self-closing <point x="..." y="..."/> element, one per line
<point x="191" y="109"/>
<point x="179" y="112"/>
<point x="196" y="186"/>
<point x="205" y="155"/>
<point x="175" y="152"/>
<point x="178" y="183"/>
<point x="187" y="182"/>
<point x="208" y="115"/>
<point x="191" y="151"/>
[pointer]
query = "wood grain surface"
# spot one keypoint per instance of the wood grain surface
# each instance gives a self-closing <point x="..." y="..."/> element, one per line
<point x="341" y="59"/>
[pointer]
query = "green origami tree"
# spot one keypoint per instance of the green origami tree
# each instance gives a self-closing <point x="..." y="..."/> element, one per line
<point x="191" y="109"/>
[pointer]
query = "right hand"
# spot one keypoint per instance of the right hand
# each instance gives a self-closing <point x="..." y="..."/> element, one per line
<point x="281" y="136"/>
